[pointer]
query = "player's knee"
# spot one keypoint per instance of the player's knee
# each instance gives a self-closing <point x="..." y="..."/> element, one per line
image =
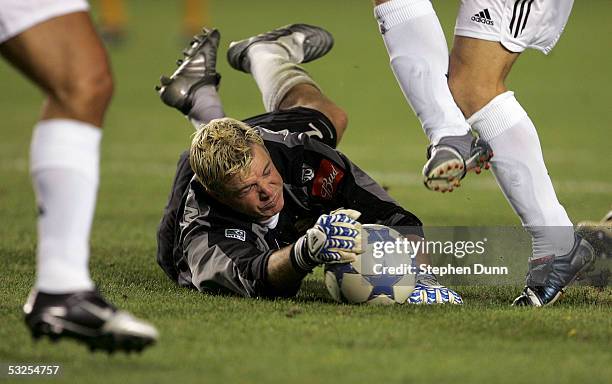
<point x="95" y="88"/>
<point x="473" y="94"/>
<point x="87" y="94"/>
<point x="339" y="119"/>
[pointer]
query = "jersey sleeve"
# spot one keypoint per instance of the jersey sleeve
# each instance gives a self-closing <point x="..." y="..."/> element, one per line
<point x="228" y="260"/>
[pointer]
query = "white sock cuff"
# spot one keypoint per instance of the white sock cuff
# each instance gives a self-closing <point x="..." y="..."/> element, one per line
<point x="395" y="12"/>
<point x="286" y="82"/>
<point x="65" y="143"/>
<point x="500" y="114"/>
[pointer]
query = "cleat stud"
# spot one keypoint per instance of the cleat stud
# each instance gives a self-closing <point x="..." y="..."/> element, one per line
<point x="157" y="88"/>
<point x="179" y="62"/>
<point x="164" y="80"/>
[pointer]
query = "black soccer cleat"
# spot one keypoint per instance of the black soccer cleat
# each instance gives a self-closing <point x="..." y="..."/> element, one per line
<point x="86" y="317"/>
<point x="196" y="69"/>
<point x="556" y="274"/>
<point x="452" y="158"/>
<point x="303" y="42"/>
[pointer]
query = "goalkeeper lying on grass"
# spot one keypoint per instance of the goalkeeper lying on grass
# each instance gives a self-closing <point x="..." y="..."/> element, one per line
<point x="255" y="218"/>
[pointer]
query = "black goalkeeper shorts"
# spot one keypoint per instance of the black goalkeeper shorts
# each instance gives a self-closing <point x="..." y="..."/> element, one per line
<point x="299" y="119"/>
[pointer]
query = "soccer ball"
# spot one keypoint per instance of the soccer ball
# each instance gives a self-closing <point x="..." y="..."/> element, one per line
<point x="377" y="276"/>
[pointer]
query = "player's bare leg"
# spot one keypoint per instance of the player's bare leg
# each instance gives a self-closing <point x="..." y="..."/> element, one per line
<point x="65" y="57"/>
<point x="477" y="73"/>
<point x="273" y="59"/>
<point x="72" y="69"/>
<point x="306" y="95"/>
<point x="419" y="58"/>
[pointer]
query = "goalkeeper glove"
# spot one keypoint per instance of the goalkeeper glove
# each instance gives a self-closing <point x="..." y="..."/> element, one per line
<point x="335" y="238"/>
<point x="428" y="291"/>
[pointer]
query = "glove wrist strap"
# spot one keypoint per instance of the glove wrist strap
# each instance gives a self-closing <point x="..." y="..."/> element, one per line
<point x="300" y="258"/>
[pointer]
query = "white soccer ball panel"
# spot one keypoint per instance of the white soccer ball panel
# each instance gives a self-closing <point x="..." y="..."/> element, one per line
<point x="381" y="300"/>
<point x="402" y="292"/>
<point x="332" y="286"/>
<point x="355" y="288"/>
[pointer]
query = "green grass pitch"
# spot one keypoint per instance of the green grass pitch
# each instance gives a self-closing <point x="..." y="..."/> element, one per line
<point x="311" y="339"/>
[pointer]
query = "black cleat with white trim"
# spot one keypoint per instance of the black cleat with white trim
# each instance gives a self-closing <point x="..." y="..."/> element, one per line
<point x="196" y="69"/>
<point x="86" y="317"/>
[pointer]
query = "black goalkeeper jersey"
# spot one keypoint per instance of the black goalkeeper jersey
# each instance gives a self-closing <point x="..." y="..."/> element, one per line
<point x="207" y="245"/>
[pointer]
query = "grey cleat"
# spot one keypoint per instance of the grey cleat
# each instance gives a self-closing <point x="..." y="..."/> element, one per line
<point x="303" y="42"/>
<point x="450" y="160"/>
<point x="196" y="69"/>
<point x="549" y="276"/>
<point x="87" y="317"/>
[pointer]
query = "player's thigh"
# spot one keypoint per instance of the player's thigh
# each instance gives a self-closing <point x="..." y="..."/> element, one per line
<point x="62" y="55"/>
<point x="516" y="24"/>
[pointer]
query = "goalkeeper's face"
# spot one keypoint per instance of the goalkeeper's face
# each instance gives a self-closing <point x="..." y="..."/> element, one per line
<point x="258" y="192"/>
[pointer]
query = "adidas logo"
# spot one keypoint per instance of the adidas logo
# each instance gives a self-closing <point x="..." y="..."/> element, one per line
<point x="483" y="17"/>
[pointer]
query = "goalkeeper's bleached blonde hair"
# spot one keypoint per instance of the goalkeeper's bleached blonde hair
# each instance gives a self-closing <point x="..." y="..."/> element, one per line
<point x="222" y="149"/>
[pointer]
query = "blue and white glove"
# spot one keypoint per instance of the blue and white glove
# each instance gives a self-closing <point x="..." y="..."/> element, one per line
<point x="335" y="238"/>
<point x="427" y="290"/>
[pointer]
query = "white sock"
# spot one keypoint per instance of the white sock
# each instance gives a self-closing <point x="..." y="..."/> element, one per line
<point x="64" y="159"/>
<point x="518" y="166"/>
<point x="207" y="106"/>
<point x="275" y="70"/>
<point x="419" y="59"/>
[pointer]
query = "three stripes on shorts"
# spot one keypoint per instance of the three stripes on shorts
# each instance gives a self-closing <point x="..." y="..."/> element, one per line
<point x="520" y="14"/>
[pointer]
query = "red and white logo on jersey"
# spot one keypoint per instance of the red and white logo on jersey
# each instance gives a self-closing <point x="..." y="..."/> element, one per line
<point x="326" y="180"/>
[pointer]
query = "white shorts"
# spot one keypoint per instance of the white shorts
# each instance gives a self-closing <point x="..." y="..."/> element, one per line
<point x="17" y="16"/>
<point x="516" y="24"/>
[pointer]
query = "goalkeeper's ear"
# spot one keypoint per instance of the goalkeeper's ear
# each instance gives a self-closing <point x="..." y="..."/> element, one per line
<point x="353" y="214"/>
